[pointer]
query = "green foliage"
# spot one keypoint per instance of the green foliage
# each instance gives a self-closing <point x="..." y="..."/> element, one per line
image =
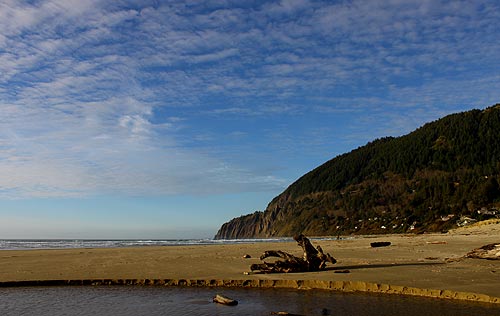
<point x="450" y="166"/>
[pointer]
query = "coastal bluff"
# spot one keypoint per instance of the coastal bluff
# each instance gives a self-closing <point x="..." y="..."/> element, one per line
<point x="247" y="226"/>
<point x="429" y="180"/>
<point x="256" y="225"/>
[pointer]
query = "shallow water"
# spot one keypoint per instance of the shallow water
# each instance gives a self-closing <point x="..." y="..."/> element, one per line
<point x="173" y="301"/>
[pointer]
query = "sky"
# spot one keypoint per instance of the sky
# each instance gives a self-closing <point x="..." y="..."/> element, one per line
<point x="165" y="119"/>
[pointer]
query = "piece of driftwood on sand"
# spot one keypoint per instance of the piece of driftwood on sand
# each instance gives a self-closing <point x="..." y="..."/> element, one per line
<point x="377" y="244"/>
<point x="314" y="259"/>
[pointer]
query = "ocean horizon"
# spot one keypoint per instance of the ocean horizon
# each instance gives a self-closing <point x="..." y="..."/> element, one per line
<point x="27" y="244"/>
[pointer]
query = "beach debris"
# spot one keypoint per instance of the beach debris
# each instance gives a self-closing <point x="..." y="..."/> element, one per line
<point x="252" y="272"/>
<point x="285" y="313"/>
<point x="436" y="243"/>
<point x="380" y="244"/>
<point x="247" y="256"/>
<point x="489" y="252"/>
<point x="455" y="259"/>
<point x="465" y="221"/>
<point x="342" y="271"/>
<point x="314" y="259"/>
<point x="224" y="300"/>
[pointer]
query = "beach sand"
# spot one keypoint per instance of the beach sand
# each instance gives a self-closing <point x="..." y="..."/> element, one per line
<point x="412" y="263"/>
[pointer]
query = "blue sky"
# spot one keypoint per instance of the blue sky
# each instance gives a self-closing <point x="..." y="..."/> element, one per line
<point x="164" y="119"/>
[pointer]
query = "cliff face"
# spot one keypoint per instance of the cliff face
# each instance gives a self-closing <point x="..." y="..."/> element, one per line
<point x="247" y="226"/>
<point x="391" y="185"/>
<point x="256" y="225"/>
<point x="259" y="224"/>
<point x="282" y="218"/>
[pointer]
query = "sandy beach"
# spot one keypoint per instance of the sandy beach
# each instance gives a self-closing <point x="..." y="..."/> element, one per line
<point x="410" y="263"/>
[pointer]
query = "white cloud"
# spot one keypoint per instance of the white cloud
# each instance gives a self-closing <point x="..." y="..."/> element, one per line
<point x="82" y="83"/>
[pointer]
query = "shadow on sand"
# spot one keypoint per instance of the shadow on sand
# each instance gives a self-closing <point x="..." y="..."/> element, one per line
<point x="385" y="265"/>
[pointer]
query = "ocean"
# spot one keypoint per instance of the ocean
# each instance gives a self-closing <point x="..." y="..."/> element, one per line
<point x="152" y="300"/>
<point x="25" y="244"/>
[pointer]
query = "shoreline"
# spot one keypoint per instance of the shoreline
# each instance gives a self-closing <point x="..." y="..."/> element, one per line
<point x="430" y="265"/>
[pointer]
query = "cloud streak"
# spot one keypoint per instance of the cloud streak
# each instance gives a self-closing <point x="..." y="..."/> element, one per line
<point x="103" y="97"/>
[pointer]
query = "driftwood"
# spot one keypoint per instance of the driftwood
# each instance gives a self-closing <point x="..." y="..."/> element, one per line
<point x="489" y="252"/>
<point x="314" y="259"/>
<point x="380" y="244"/>
<point x="224" y="300"/>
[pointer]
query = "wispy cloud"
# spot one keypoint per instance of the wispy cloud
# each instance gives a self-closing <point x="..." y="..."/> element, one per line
<point x="100" y="96"/>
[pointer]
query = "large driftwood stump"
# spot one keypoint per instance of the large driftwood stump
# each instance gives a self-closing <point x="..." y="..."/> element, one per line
<point x="489" y="252"/>
<point x="314" y="259"/>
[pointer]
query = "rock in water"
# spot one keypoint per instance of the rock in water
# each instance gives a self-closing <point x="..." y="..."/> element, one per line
<point x="490" y="252"/>
<point x="224" y="300"/>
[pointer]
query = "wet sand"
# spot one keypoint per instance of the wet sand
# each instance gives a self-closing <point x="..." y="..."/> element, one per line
<point x="412" y="263"/>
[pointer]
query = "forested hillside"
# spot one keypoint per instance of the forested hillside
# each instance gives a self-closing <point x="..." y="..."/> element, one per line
<point x="413" y="182"/>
